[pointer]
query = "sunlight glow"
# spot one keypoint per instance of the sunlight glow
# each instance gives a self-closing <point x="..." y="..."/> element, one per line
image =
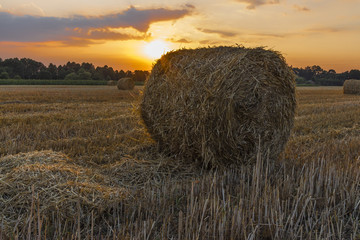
<point x="156" y="49"/>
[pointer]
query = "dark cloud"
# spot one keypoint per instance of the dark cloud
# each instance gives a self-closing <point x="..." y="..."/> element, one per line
<point x="219" y="32"/>
<point x="301" y="8"/>
<point x="38" y="29"/>
<point x="208" y="42"/>
<point x="182" y="40"/>
<point x="252" y="4"/>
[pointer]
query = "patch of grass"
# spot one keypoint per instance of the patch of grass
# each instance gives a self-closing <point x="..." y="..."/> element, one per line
<point x="312" y="192"/>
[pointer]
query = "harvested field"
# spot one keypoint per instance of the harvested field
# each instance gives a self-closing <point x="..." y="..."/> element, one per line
<point x="312" y="192"/>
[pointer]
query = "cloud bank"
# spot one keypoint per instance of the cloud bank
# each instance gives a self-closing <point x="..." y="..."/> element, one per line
<point x="40" y="29"/>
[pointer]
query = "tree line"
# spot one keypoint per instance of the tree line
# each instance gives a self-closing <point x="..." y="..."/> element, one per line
<point x="318" y="76"/>
<point x="26" y="68"/>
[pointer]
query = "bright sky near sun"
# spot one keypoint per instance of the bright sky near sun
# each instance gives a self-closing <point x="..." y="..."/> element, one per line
<point x="131" y="34"/>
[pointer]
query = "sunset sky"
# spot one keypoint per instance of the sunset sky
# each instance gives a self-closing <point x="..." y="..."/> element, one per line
<point x="129" y="34"/>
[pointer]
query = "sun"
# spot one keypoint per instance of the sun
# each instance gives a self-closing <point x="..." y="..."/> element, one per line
<point x="156" y="49"/>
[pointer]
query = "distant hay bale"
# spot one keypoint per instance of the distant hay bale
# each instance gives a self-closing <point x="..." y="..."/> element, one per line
<point x="351" y="86"/>
<point x="51" y="183"/>
<point x="111" y="83"/>
<point x="220" y="106"/>
<point x="125" y="84"/>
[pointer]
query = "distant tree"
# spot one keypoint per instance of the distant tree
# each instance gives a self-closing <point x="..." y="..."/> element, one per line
<point x="17" y="77"/>
<point x="106" y="73"/>
<point x="84" y="75"/>
<point x="62" y="72"/>
<point x="72" y="67"/>
<point x="72" y="76"/>
<point x="98" y="76"/>
<point x="53" y="70"/>
<point x="354" y="74"/>
<point x="30" y="69"/>
<point x="89" y="67"/>
<point x="129" y="74"/>
<point x="4" y="75"/>
<point x="140" y="76"/>
<point x="121" y="74"/>
<point x="44" y="73"/>
<point x="317" y="69"/>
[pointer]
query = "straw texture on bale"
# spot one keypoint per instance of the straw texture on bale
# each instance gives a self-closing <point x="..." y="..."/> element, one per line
<point x="51" y="183"/>
<point x="111" y="83"/>
<point x="125" y="84"/>
<point x="220" y="106"/>
<point x="351" y="86"/>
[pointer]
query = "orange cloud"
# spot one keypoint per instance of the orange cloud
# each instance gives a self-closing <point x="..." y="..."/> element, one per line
<point x="182" y="40"/>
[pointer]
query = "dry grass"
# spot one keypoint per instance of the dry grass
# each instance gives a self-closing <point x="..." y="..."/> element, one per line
<point x="313" y="192"/>
<point x="47" y="183"/>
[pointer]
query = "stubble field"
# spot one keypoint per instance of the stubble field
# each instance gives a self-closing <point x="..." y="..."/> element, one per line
<point x="311" y="192"/>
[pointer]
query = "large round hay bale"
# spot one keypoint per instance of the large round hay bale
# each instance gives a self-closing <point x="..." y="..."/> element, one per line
<point x="125" y="84"/>
<point x="351" y="86"/>
<point x="220" y="106"/>
<point x="111" y="83"/>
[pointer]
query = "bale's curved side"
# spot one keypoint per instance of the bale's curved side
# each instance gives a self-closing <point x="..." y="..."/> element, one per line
<point x="220" y="106"/>
<point x="125" y="84"/>
<point x="351" y="86"/>
<point x="111" y="83"/>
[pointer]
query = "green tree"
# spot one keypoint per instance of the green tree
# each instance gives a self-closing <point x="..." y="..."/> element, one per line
<point x="72" y="76"/>
<point x="120" y="74"/>
<point x="44" y="74"/>
<point x="140" y="76"/>
<point x="98" y="76"/>
<point x="4" y="75"/>
<point x="354" y="74"/>
<point x="53" y="70"/>
<point x="84" y="75"/>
